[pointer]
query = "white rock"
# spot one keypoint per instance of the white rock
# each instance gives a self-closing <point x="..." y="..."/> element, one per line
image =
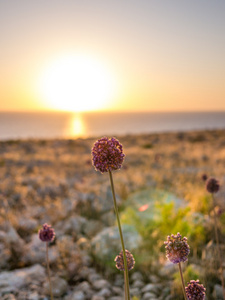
<point x="78" y="295"/>
<point x="168" y="269"/>
<point x="96" y="297"/>
<point x="117" y="290"/>
<point x="93" y="276"/>
<point x="59" y="286"/>
<point x="135" y="292"/>
<point x="150" y="287"/>
<point x="105" y="292"/>
<point x="107" y="242"/>
<point x="136" y="276"/>
<point x="35" y="252"/>
<point x="83" y="286"/>
<point x="5" y="255"/>
<point x="34" y="296"/>
<point x="153" y="278"/>
<point x="218" y="291"/>
<point x="138" y="284"/>
<point x="14" y="280"/>
<point x="149" y="296"/>
<point x="8" y="297"/>
<point x="14" y="240"/>
<point x="27" y="224"/>
<point x="100" y="284"/>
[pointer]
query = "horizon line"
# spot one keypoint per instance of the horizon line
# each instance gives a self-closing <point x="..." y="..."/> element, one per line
<point x="112" y="111"/>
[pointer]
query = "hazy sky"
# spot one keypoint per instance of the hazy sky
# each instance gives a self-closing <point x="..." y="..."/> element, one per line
<point x="162" y="54"/>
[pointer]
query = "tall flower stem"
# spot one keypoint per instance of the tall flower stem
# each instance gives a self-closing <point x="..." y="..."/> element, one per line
<point x="126" y="278"/>
<point x="182" y="279"/>
<point x="125" y="290"/>
<point x="218" y="246"/>
<point x="48" y="271"/>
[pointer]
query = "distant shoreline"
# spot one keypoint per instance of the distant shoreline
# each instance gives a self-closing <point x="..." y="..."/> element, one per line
<point x="178" y="133"/>
<point x="69" y="125"/>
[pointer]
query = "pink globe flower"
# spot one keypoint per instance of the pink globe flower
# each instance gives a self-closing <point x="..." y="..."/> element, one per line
<point x="120" y="262"/>
<point x="212" y="185"/>
<point x="46" y="234"/>
<point x="195" y="290"/>
<point x="177" y="248"/>
<point x="107" y="155"/>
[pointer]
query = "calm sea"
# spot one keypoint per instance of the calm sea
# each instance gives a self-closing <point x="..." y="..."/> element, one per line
<point x="71" y="125"/>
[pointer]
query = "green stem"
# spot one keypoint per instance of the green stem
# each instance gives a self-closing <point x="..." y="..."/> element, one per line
<point x="48" y="269"/>
<point x="127" y="291"/>
<point x="182" y="279"/>
<point x="218" y="246"/>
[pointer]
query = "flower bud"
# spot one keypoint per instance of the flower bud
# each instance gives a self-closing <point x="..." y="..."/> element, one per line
<point x="212" y="185"/>
<point x="120" y="262"/>
<point x="46" y="234"/>
<point x="195" y="290"/>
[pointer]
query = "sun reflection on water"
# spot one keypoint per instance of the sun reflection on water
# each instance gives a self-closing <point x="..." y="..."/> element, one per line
<point x="77" y="128"/>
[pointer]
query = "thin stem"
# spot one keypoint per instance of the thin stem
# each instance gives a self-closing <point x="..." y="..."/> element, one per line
<point x="126" y="278"/>
<point x="48" y="269"/>
<point x="182" y="279"/>
<point x="218" y="246"/>
<point x="125" y="289"/>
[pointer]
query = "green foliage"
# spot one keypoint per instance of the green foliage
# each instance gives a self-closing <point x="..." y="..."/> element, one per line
<point x="204" y="203"/>
<point x="147" y="146"/>
<point x="189" y="274"/>
<point x="222" y="220"/>
<point x="166" y="220"/>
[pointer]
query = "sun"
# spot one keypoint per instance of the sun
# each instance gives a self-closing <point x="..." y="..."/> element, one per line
<point x="76" y="83"/>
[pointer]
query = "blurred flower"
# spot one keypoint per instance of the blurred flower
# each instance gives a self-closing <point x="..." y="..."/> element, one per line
<point x="120" y="262"/>
<point x="204" y="177"/>
<point x="46" y="234"/>
<point x="195" y="290"/>
<point x="107" y="155"/>
<point x="177" y="248"/>
<point x="212" y="185"/>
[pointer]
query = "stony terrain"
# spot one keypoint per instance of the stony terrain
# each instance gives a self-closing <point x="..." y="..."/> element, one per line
<point x="54" y="182"/>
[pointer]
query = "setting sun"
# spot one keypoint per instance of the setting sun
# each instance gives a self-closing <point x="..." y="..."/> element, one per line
<point x="76" y="83"/>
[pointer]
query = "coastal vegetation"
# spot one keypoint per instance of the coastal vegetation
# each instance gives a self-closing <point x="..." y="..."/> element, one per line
<point x="160" y="191"/>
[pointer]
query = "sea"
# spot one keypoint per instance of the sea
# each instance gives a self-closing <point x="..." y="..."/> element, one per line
<point x="21" y="125"/>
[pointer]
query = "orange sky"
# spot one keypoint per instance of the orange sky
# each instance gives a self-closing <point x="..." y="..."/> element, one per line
<point x="150" y="55"/>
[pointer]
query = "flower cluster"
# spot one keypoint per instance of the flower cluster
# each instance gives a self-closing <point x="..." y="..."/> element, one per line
<point x="120" y="262"/>
<point x="177" y="248"/>
<point x="107" y="155"/>
<point x="46" y="234"/>
<point x="212" y="185"/>
<point x="195" y="290"/>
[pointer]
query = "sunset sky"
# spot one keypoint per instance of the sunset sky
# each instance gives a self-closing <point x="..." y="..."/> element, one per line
<point x="129" y="55"/>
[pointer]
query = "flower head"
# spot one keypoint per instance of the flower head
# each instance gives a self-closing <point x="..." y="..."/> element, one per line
<point x="177" y="248"/>
<point x="195" y="290"/>
<point x="212" y="185"/>
<point x="120" y="262"/>
<point x="107" y="154"/>
<point x="46" y="234"/>
<point x="204" y="177"/>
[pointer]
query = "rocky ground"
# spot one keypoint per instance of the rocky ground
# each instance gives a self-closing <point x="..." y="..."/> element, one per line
<point x="54" y="182"/>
